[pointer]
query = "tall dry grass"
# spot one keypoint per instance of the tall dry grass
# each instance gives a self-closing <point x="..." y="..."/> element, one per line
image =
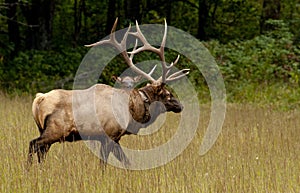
<point x="258" y="150"/>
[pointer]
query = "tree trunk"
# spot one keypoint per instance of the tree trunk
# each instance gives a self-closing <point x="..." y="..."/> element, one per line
<point x="79" y="9"/>
<point x="270" y="10"/>
<point x="110" y="16"/>
<point x="12" y="24"/>
<point x="132" y="10"/>
<point x="169" y="11"/>
<point x="39" y="16"/>
<point x="202" y="20"/>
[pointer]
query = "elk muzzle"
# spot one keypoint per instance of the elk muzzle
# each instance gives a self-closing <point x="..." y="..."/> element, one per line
<point x="173" y="105"/>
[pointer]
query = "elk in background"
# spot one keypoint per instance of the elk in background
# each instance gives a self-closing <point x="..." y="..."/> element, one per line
<point x="128" y="82"/>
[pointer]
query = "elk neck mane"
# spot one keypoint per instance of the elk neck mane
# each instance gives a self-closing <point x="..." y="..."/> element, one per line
<point x="139" y="102"/>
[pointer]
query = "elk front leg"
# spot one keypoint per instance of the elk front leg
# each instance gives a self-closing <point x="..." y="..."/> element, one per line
<point x="106" y="148"/>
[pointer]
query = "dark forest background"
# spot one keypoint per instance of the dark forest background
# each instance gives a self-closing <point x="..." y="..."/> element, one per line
<point x="254" y="42"/>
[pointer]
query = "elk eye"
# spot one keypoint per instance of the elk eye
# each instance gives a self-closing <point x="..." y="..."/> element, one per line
<point x="168" y="96"/>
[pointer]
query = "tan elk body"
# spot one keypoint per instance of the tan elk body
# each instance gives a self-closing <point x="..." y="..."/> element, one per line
<point x="102" y="112"/>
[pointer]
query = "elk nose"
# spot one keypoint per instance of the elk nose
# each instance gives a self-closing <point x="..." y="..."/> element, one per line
<point x="181" y="107"/>
<point x="178" y="109"/>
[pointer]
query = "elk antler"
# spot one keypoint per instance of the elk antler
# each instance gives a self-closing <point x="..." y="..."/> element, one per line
<point x="160" y="52"/>
<point x="121" y="47"/>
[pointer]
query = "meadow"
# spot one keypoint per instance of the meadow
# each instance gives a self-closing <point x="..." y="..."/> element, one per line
<point x="258" y="150"/>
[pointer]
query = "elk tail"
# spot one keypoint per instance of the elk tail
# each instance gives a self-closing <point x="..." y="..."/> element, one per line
<point x="37" y="115"/>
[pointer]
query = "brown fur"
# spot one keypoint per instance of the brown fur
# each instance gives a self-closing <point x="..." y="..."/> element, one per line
<point x="137" y="107"/>
<point x="69" y="115"/>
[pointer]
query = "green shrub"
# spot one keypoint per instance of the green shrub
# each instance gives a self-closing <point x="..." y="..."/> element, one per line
<point x="33" y="70"/>
<point x="267" y="58"/>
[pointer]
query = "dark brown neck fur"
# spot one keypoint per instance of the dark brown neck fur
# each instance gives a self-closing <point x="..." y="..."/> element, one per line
<point x="138" y="109"/>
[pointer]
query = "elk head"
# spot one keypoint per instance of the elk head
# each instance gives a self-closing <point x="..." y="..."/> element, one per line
<point x="156" y="90"/>
<point x="159" y="93"/>
<point x="127" y="82"/>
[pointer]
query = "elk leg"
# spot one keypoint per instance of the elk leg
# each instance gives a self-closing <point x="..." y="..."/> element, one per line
<point x="34" y="147"/>
<point x="105" y="148"/>
<point x="120" y="155"/>
<point x="37" y="146"/>
<point x="42" y="151"/>
<point x="31" y="151"/>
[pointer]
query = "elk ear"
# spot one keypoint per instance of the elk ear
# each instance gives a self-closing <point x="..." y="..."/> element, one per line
<point x="137" y="78"/>
<point x="160" y="88"/>
<point x="117" y="79"/>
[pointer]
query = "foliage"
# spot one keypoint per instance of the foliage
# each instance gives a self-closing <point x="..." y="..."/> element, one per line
<point x="267" y="58"/>
<point x="233" y="19"/>
<point x="34" y="70"/>
<point x="245" y="51"/>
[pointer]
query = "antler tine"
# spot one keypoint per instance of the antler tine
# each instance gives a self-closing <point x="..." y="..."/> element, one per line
<point x="164" y="40"/>
<point x="111" y="40"/>
<point x="151" y="72"/>
<point x="113" y="29"/>
<point x="175" y="62"/>
<point x="121" y="47"/>
<point x="132" y="54"/>
<point x="134" y="48"/>
<point x="178" y="75"/>
<point x="147" y="47"/>
<point x="165" y="69"/>
<point x="124" y="40"/>
<point x="171" y="65"/>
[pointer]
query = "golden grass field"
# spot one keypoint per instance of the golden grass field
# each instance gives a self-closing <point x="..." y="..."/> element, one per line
<point x="258" y="150"/>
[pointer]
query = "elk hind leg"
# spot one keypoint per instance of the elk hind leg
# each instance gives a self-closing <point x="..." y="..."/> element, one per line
<point x="40" y="147"/>
<point x="42" y="151"/>
<point x="32" y="150"/>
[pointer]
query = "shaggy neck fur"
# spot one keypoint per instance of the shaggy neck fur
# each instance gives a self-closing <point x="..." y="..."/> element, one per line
<point x="139" y="106"/>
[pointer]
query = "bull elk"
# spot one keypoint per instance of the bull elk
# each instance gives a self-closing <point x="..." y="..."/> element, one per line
<point x="62" y="117"/>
